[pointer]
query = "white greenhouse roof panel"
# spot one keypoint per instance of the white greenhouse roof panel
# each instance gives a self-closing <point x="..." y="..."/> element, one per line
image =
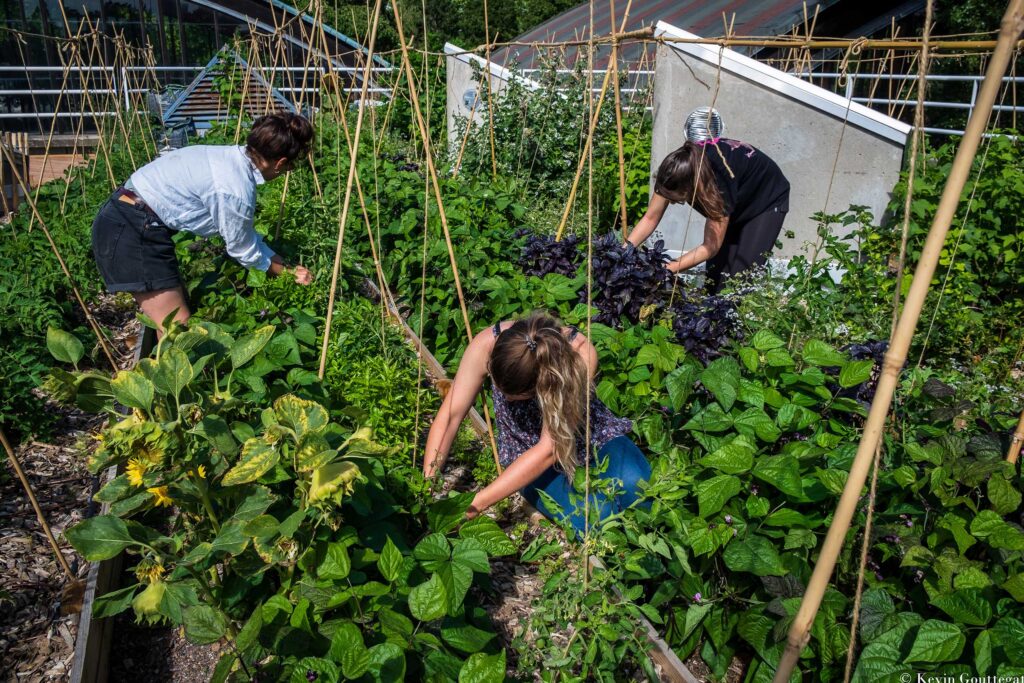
<point x="786" y="84"/>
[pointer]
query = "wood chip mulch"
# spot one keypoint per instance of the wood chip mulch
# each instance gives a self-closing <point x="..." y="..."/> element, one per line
<point x="38" y="623"/>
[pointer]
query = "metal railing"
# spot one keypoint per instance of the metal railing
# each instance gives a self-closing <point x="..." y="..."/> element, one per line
<point x="123" y="82"/>
<point x="886" y="104"/>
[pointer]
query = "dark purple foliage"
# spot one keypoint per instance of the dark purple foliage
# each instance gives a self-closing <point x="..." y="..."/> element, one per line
<point x="705" y="325"/>
<point x="542" y="255"/>
<point x="872" y="350"/>
<point x="625" y="279"/>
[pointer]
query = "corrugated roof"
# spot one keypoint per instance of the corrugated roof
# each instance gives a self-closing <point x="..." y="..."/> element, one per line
<point x="703" y="17"/>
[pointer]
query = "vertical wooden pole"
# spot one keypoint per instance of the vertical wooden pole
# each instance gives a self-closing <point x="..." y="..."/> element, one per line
<point x="35" y="506"/>
<point x="353" y="158"/>
<point x="1015" y="441"/>
<point x="800" y="631"/>
<point x="613" y="64"/>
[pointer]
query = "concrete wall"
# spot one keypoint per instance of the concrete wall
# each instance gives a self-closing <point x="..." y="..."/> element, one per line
<point x="460" y="82"/>
<point x="800" y="126"/>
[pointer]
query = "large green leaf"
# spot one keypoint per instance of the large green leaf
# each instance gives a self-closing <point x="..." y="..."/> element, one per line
<point x="313" y="452"/>
<point x="465" y="637"/>
<point x="470" y="554"/>
<point x="754" y="422"/>
<point x="348" y="648"/>
<point x="782" y="472"/>
<point x="387" y="662"/>
<point x="679" y="384"/>
<point x="855" y="372"/>
<point x="989" y="526"/>
<point x="390" y="561"/>
<point x="131" y="389"/>
<point x="819" y="353"/>
<point x="710" y="419"/>
<point x="764" y="340"/>
<point x="714" y="493"/>
<point x="111" y="604"/>
<point x="258" y="457"/>
<point x="1003" y="495"/>
<point x="457" y="578"/>
<point x="246" y="348"/>
<point x="722" y="379"/>
<point x="735" y="457"/>
<point x="205" y="624"/>
<point x="64" y="346"/>
<point x="214" y="429"/>
<point x="966" y="606"/>
<point x="255" y="503"/>
<point x="299" y="415"/>
<point x="336" y="564"/>
<point x="983" y="653"/>
<point x="937" y="641"/>
<point x="483" y="668"/>
<point x="99" y="538"/>
<point x="173" y="372"/>
<point x="445" y="514"/>
<point x="433" y="551"/>
<point x="486" y="531"/>
<point x="429" y="600"/>
<point x="231" y="540"/>
<point x="876" y="604"/>
<point x="754" y="554"/>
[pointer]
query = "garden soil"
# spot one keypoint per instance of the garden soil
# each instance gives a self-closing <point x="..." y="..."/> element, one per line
<point x="37" y="630"/>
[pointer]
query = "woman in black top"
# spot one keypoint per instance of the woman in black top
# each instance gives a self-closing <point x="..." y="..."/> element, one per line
<point x="740" y="191"/>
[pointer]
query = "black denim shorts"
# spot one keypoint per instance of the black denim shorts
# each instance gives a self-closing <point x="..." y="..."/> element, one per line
<point x="134" y="250"/>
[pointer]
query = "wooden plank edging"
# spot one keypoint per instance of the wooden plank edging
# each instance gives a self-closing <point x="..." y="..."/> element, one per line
<point x="91" y="662"/>
<point x="660" y="653"/>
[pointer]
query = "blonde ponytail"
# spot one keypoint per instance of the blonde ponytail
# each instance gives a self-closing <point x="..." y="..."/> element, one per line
<point x="534" y="357"/>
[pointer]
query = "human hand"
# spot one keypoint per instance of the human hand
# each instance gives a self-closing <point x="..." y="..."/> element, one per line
<point x="302" y="275"/>
<point x="472" y="511"/>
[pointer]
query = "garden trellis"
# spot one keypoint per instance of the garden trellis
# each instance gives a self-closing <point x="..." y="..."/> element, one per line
<point x="82" y="49"/>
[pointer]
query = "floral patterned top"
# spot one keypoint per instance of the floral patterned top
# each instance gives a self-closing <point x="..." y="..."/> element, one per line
<point x="520" y="422"/>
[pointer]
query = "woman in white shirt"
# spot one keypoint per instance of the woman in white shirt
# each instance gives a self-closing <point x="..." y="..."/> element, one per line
<point x="203" y="189"/>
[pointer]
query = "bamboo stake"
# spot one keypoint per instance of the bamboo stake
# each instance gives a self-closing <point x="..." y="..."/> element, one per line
<point x="583" y="157"/>
<point x="348" y="189"/>
<point x="490" y="106"/>
<point x="614" y="66"/>
<point x="442" y="214"/>
<point x="1016" y="441"/>
<point x="35" y="506"/>
<point x="799" y="633"/>
<point x="915" y="140"/>
<point x="53" y="128"/>
<point x="465" y="138"/>
<point x="56" y="252"/>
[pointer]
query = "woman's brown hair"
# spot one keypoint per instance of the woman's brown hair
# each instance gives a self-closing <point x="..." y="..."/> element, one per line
<point x="280" y="136"/>
<point x="685" y="175"/>
<point x="534" y="357"/>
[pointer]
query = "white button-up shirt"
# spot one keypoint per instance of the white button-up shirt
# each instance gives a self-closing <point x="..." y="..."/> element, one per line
<point x="207" y="190"/>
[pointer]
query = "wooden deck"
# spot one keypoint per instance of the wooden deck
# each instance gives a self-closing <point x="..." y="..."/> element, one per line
<point x="56" y="165"/>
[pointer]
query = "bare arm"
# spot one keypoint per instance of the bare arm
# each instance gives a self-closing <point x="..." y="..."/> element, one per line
<point x="646" y="225"/>
<point x="466" y="385"/>
<point x="714" y="235"/>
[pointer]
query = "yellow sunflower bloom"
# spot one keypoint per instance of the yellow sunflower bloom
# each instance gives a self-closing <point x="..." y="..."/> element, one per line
<point x="161" y="495"/>
<point x="148" y="571"/>
<point x="136" y="470"/>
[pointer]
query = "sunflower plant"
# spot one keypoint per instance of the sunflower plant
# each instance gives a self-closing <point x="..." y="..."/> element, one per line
<point x="255" y="518"/>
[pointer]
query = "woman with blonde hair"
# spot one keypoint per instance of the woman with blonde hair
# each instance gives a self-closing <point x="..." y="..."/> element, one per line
<point x="542" y="374"/>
